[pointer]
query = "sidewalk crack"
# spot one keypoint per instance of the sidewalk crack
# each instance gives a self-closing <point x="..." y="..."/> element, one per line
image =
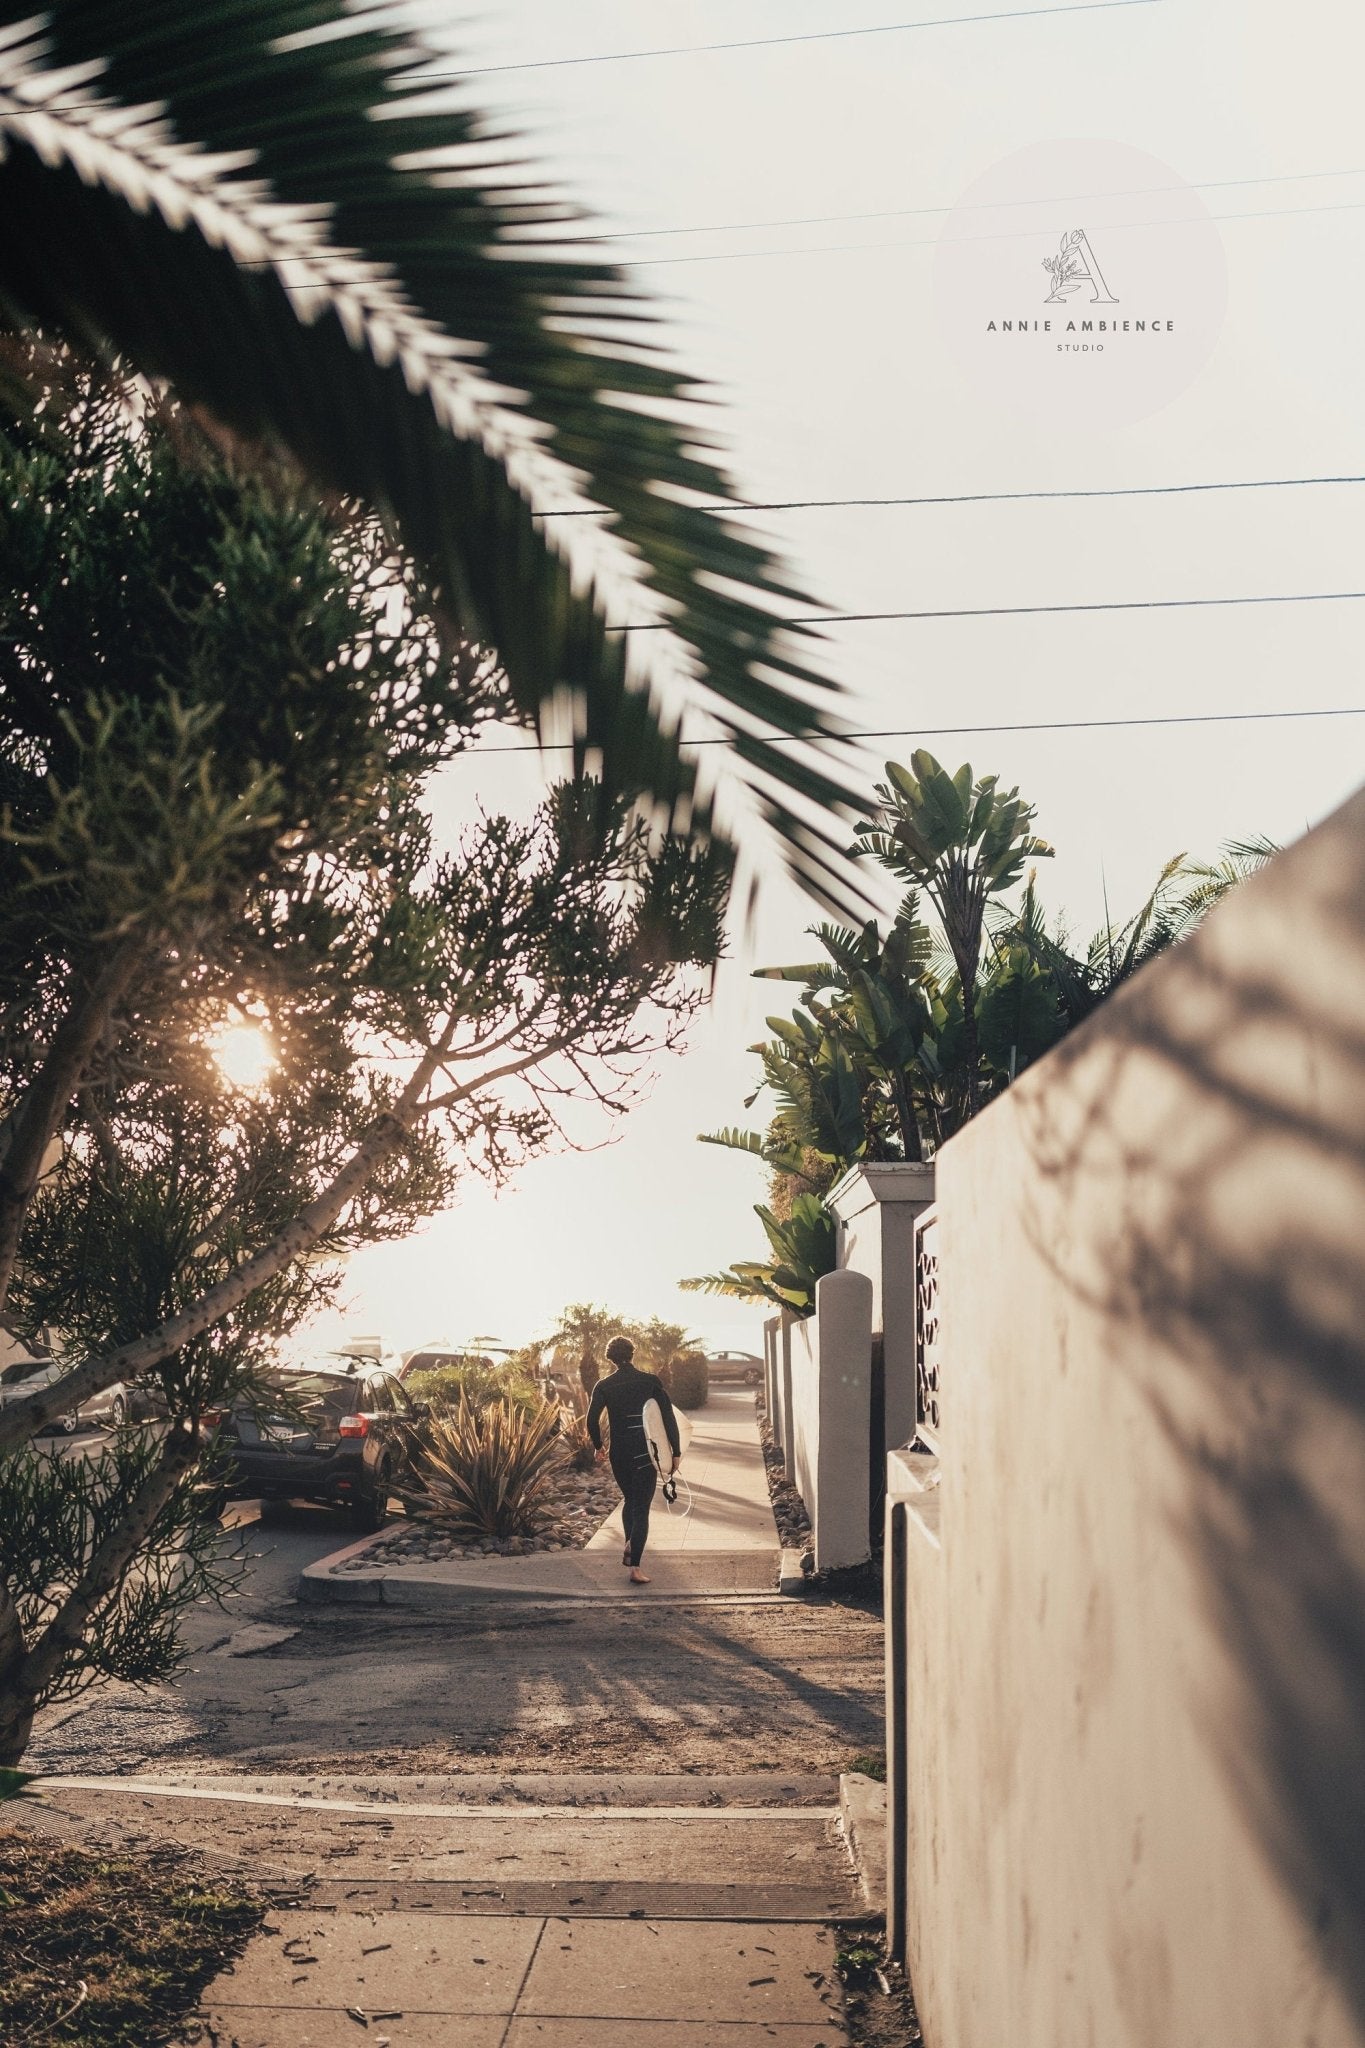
<point x="530" y="1965"/>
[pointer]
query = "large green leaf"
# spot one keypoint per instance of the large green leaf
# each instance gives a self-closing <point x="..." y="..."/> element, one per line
<point x="262" y="202"/>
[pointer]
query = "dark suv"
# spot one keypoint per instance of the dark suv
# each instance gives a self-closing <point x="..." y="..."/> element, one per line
<point x="342" y="1436"/>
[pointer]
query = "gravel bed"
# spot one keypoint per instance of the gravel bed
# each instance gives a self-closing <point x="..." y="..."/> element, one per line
<point x="789" y="1510"/>
<point x="580" y="1504"/>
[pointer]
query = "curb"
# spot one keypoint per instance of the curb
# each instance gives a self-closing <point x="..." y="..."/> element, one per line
<point x="706" y="1799"/>
<point x="378" y="1585"/>
<point x="792" y="1578"/>
<point x="862" y="1817"/>
<point x="533" y="1791"/>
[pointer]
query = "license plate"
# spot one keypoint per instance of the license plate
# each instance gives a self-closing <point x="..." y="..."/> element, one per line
<point x="277" y="1432"/>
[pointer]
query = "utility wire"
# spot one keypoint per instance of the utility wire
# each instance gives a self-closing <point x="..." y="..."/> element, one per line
<point x="828" y="35"/>
<point x="1001" y="235"/>
<point x="548" y="248"/>
<point x="1016" y="611"/>
<point x="929" y="732"/>
<point x="721" y="506"/>
<point x="817" y="220"/>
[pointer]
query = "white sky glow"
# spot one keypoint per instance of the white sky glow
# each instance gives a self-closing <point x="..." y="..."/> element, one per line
<point x="837" y="383"/>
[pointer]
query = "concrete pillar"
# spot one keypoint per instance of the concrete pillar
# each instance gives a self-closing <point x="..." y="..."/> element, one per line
<point x="876" y="1206"/>
<point x="838" y="1462"/>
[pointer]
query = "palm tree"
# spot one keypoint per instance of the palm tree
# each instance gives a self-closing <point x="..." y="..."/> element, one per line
<point x="586" y="1329"/>
<point x="288" y="212"/>
<point x="961" y="842"/>
<point x="803" y="1251"/>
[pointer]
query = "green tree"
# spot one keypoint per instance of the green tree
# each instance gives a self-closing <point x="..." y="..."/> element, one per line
<point x="219" y="710"/>
<point x="803" y="1251"/>
<point x="658" y="1342"/>
<point x="891" y="1049"/>
<point x="273" y="210"/>
<point x="963" y="842"/>
<point x="586" y="1329"/>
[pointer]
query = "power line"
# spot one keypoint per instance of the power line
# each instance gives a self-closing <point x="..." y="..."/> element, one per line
<point x="829" y="35"/>
<point x="1001" y="235"/>
<point x="815" y="220"/>
<point x="551" y="244"/>
<point x="1018" y="611"/>
<point x="721" y="506"/>
<point x="929" y="732"/>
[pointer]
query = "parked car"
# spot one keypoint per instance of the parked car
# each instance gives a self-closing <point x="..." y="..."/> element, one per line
<point x="368" y="1350"/>
<point x="744" y="1368"/>
<point x="125" y="1401"/>
<point x="429" y="1357"/>
<point x="28" y="1376"/>
<point x="341" y="1436"/>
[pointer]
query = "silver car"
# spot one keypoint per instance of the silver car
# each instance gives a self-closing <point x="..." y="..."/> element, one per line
<point x="121" y="1403"/>
<point x="29" y="1376"/>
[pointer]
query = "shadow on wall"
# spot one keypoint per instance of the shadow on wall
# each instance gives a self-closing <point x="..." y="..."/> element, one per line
<point x="1210" y="1128"/>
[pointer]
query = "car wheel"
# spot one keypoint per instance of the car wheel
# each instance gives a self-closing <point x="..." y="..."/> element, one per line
<point x="118" y="1411"/>
<point x="371" y="1511"/>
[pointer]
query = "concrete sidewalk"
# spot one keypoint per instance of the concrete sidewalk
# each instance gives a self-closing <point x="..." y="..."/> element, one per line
<point x="730" y="1511"/>
<point x="487" y="1928"/>
<point x="725" y="1544"/>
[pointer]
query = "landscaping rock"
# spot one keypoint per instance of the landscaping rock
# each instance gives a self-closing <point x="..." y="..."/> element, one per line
<point x="580" y="1504"/>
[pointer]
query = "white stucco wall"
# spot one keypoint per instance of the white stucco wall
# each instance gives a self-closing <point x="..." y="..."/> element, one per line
<point x="1134" y="1623"/>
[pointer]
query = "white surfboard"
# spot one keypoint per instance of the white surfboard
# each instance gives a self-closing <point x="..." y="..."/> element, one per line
<point x="656" y="1436"/>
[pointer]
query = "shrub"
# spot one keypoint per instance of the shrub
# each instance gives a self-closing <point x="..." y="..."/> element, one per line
<point x="589" y="1372"/>
<point x="477" y="1380"/>
<point x="688" y="1379"/>
<point x="579" y="1448"/>
<point x="486" y="1471"/>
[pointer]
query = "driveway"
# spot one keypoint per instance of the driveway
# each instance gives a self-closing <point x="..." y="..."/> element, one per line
<point x="729" y="1686"/>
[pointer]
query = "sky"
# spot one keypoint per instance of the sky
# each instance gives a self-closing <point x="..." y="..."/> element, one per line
<point x="839" y="375"/>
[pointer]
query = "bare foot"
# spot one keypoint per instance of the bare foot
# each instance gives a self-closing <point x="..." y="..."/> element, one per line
<point x="637" y="1577"/>
<point x="626" y="1558"/>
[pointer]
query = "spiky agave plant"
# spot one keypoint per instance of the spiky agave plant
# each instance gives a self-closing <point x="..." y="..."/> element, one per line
<point x="287" y="210"/>
<point x="486" y="1471"/>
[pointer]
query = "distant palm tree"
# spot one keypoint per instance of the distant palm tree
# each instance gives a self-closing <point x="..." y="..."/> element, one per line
<point x="586" y="1330"/>
<point x="288" y="211"/>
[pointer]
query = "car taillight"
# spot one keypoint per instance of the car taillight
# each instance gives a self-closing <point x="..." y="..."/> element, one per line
<point x="213" y="1418"/>
<point x="354" y="1425"/>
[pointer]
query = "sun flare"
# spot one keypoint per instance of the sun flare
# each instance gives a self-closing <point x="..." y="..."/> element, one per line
<point x="245" y="1055"/>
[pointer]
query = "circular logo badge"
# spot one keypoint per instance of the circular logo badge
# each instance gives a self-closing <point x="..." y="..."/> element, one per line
<point x="1081" y="282"/>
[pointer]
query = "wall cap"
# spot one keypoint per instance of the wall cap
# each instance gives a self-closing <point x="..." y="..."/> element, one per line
<point x="913" y="1469"/>
<point x="890" y="1180"/>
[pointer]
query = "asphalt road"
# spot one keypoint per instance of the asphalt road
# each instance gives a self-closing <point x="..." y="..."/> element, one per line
<point x="725" y="1687"/>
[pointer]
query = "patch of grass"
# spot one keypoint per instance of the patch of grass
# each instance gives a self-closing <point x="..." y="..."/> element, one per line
<point x="858" y="1962"/>
<point x="871" y="1766"/>
<point x="110" y="1951"/>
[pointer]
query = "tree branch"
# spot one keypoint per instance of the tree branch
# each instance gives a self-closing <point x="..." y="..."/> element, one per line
<point x="65" y="1632"/>
<point x="506" y="1072"/>
<point x="40" y="1112"/>
<point x="20" y="1420"/>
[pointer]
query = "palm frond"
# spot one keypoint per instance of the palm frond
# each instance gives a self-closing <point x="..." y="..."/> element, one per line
<point x="1211" y="881"/>
<point x="266" y="203"/>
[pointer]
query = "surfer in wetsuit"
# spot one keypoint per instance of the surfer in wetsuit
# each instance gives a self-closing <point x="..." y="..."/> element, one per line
<point x="621" y="1397"/>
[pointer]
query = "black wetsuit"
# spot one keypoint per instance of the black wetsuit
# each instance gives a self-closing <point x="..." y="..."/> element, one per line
<point x="621" y="1396"/>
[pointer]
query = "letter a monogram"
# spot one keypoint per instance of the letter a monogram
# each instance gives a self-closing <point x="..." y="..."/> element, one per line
<point x="1075" y="266"/>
